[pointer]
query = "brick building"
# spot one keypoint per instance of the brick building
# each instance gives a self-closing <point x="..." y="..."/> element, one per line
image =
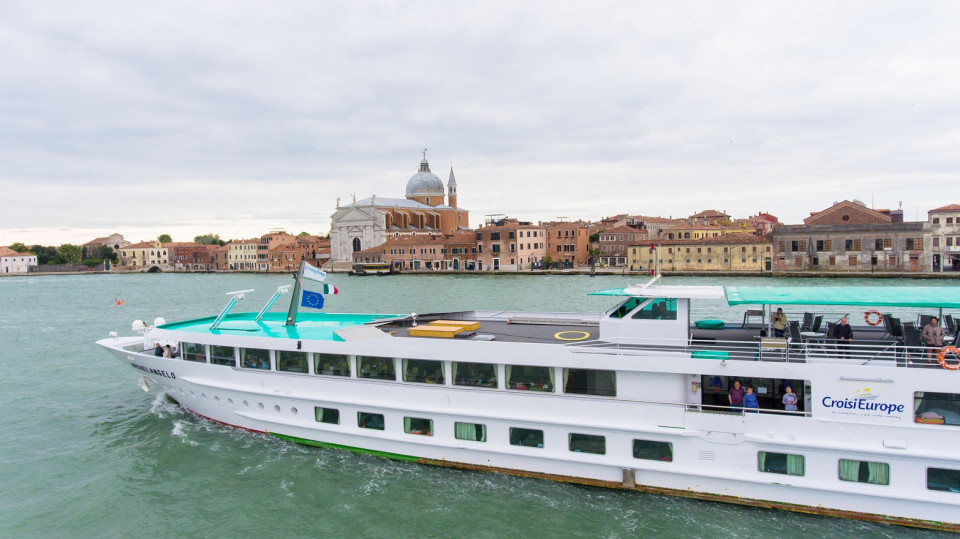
<point x="613" y="245"/>
<point x="726" y="252"/>
<point x="944" y="223"/>
<point x="568" y="242"/>
<point x="508" y="244"/>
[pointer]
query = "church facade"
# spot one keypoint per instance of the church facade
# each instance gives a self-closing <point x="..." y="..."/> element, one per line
<point x="427" y="208"/>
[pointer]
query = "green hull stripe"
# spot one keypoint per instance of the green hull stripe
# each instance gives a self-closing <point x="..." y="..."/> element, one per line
<point x="360" y="450"/>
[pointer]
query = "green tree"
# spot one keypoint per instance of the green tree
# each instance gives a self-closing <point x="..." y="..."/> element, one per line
<point x="107" y="253"/>
<point x="164" y="238"/>
<point x="303" y="234"/>
<point x="208" y="239"/>
<point x="18" y="247"/>
<point x="70" y="254"/>
<point x="45" y="255"/>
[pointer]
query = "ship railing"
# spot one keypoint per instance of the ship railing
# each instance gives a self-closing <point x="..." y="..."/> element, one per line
<point x="830" y="351"/>
<point x="739" y="410"/>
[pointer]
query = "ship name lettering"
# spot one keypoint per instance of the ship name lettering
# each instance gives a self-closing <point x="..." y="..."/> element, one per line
<point x="157" y="372"/>
<point x="863" y="404"/>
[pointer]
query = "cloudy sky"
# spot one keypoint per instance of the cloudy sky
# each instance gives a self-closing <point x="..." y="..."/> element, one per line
<point x="236" y="117"/>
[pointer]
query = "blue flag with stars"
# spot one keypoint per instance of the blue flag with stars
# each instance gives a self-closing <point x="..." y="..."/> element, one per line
<point x="312" y="300"/>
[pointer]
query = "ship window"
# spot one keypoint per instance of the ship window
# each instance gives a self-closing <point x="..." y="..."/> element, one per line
<point x="473" y="432"/>
<point x="588" y="443"/>
<point x="423" y="371"/>
<point x="877" y="473"/>
<point x="367" y="420"/>
<point x="327" y="415"/>
<point x="625" y="308"/>
<point x="331" y="364"/>
<point x="380" y="368"/>
<point x="943" y="479"/>
<point x="475" y="374"/>
<point x="418" y="425"/>
<point x="936" y="408"/>
<point x="292" y="361"/>
<point x="222" y="355"/>
<point x="780" y="463"/>
<point x="526" y="437"/>
<point x="526" y="377"/>
<point x="658" y="309"/>
<point x="590" y="382"/>
<point x="653" y="450"/>
<point x="254" y="358"/>
<point x="193" y="352"/>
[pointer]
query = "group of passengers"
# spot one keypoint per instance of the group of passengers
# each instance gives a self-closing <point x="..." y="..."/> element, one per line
<point x="744" y="397"/>
<point x="164" y="351"/>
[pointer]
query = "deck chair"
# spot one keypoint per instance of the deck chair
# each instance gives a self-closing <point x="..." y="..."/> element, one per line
<point x="816" y="323"/>
<point x="887" y="325"/>
<point x="924" y="320"/>
<point x="913" y="342"/>
<point x="796" y="340"/>
<point x="949" y="324"/>
<point x="807" y="322"/>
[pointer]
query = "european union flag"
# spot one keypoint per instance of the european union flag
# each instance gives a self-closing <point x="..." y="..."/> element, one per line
<point x="312" y="300"/>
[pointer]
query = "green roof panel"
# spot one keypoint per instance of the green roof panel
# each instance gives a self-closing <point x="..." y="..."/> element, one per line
<point x="875" y="296"/>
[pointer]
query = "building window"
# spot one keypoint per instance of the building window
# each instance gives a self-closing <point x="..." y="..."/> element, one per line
<point x="474" y="374"/>
<point x="331" y="364"/>
<point x="653" y="450"/>
<point x="936" y="220"/>
<point x="529" y="378"/>
<point x="327" y="415"/>
<point x="526" y="437"/>
<point x="587" y="443"/>
<point x="876" y="473"/>
<point x="474" y="432"/>
<point x="291" y="361"/>
<point x="423" y="371"/>
<point x="378" y="368"/>
<point x="781" y="463"/>
<point x="852" y="261"/>
<point x="367" y="420"/>
<point x="417" y="425"/>
<point x="949" y="220"/>
<point x="943" y="479"/>
<point x="590" y="382"/>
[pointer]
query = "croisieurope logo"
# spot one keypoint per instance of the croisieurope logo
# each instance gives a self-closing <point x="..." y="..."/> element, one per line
<point x="863" y="400"/>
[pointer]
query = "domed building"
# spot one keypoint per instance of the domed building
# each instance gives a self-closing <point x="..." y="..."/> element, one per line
<point x="428" y="208"/>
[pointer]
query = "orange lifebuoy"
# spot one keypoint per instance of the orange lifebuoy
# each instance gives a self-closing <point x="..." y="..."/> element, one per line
<point x="942" y="358"/>
<point x="868" y="317"/>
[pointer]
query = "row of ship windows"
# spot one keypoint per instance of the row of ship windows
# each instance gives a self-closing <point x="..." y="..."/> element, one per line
<point x="477" y="432"/>
<point x="858" y="471"/>
<point x="423" y="371"/>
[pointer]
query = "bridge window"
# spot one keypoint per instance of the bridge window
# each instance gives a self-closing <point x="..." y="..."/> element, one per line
<point x="658" y="309"/>
<point x="781" y="463"/>
<point x="253" y="358"/>
<point x="475" y="374"/>
<point x="331" y="364"/>
<point x="626" y="307"/>
<point x="423" y="371"/>
<point x="379" y="368"/>
<point x="877" y="473"/>
<point x="590" y="382"/>
<point x="292" y="361"/>
<point x="587" y="443"/>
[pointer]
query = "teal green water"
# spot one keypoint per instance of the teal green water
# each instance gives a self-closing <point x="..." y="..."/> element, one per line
<point x="86" y="453"/>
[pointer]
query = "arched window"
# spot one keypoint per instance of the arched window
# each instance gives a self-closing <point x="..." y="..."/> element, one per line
<point x="356" y="244"/>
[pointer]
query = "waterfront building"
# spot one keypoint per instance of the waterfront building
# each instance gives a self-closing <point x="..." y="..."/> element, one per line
<point x="144" y="255"/>
<point x="655" y="225"/>
<point x="115" y="241"/>
<point x="614" y="243"/>
<point x="696" y="231"/>
<point x="510" y="245"/>
<point x="242" y="254"/>
<point x="14" y="262"/>
<point x="850" y="237"/>
<point x="710" y="217"/>
<point x="368" y="223"/>
<point x="183" y="255"/>
<point x="568" y="242"/>
<point x="419" y="253"/>
<point x="726" y="252"/>
<point x="944" y="223"/>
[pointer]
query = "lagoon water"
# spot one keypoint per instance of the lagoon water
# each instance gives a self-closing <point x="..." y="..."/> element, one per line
<point x="85" y="452"/>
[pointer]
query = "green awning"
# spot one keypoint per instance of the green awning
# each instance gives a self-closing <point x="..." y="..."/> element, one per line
<point x="947" y="297"/>
<point x="610" y="292"/>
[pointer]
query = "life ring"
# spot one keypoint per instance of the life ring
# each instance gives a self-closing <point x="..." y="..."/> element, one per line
<point x="868" y="317"/>
<point x="942" y="358"/>
<point x="581" y="336"/>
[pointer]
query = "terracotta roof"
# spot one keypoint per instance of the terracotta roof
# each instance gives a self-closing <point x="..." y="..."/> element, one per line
<point x="141" y="245"/>
<point x="623" y="230"/>
<point x="949" y="207"/>
<point x="6" y="251"/>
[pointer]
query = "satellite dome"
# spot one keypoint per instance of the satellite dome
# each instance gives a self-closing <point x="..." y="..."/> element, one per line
<point x="424" y="182"/>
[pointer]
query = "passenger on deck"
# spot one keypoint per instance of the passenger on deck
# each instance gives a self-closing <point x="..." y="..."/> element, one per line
<point x="158" y="351"/>
<point x="932" y="336"/>
<point x="779" y="321"/>
<point x="789" y="399"/>
<point x="735" y="394"/>
<point x="750" y="399"/>
<point x="167" y="351"/>
<point x="844" y="336"/>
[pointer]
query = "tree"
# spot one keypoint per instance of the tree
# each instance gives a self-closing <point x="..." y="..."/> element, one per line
<point x="164" y="238"/>
<point x="107" y="253"/>
<point x="45" y="255"/>
<point x="208" y="239"/>
<point x="70" y="254"/>
<point x="18" y="247"/>
<point x="303" y="234"/>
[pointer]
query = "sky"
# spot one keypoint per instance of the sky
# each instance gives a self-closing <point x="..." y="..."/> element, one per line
<point x="238" y="117"/>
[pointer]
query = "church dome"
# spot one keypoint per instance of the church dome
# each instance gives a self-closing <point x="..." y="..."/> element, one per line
<point x="424" y="182"/>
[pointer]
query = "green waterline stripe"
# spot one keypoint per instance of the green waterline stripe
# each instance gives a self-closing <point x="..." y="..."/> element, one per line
<point x="359" y="450"/>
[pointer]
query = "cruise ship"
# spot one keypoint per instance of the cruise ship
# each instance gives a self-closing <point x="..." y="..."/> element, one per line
<point x="641" y="397"/>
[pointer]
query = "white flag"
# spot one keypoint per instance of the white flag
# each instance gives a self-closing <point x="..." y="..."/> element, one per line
<point x="312" y="273"/>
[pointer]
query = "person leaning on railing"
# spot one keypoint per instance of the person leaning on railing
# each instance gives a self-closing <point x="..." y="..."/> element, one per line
<point x="844" y="336"/>
<point x="933" y="336"/>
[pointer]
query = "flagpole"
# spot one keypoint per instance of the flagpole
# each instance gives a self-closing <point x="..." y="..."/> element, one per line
<point x="295" y="299"/>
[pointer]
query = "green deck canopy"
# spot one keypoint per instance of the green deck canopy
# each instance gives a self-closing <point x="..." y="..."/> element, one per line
<point x="947" y="297"/>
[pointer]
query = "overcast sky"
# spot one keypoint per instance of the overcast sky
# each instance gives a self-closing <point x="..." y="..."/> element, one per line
<point x="237" y="117"/>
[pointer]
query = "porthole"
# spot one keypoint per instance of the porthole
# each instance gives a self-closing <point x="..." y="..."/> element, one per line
<point x="245" y="403"/>
<point x="192" y="394"/>
<point x="216" y="398"/>
<point x="230" y="401"/>
<point x="260" y="405"/>
<point x="293" y="410"/>
<point x="204" y="395"/>
<point x="276" y="407"/>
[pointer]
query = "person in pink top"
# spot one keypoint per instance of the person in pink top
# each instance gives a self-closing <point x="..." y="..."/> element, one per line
<point x="735" y="394"/>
